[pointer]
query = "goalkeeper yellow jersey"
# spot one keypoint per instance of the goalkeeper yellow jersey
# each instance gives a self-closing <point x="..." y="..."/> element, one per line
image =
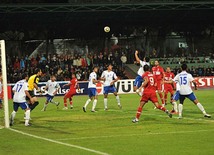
<point x="33" y="79"/>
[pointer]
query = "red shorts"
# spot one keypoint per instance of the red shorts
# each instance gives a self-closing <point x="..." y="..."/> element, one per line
<point x="168" y="89"/>
<point x="160" y="85"/>
<point x="70" y="94"/>
<point x="149" y="95"/>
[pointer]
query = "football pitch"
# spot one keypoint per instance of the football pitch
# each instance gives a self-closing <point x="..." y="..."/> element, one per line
<point x="73" y="132"/>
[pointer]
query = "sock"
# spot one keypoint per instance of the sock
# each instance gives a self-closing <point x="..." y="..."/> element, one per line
<point x="180" y="109"/>
<point x="54" y="102"/>
<point x="27" y="117"/>
<point x="162" y="99"/>
<point x="65" y="102"/>
<point x="161" y="108"/>
<point x="118" y="99"/>
<point x="175" y="106"/>
<point x="201" y="108"/>
<point x="94" y="104"/>
<point x="140" y="93"/>
<point x="13" y="114"/>
<point x="165" y="97"/>
<point x="87" y="102"/>
<point x="105" y="103"/>
<point x="139" y="110"/>
<point x="71" y="103"/>
<point x="33" y="106"/>
<point x="45" y="105"/>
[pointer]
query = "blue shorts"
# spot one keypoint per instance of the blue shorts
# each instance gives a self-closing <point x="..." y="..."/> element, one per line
<point x="138" y="81"/>
<point x="176" y="96"/>
<point x="23" y="105"/>
<point x="49" y="98"/>
<point x="191" y="96"/>
<point x="109" y="89"/>
<point x="92" y="92"/>
<point x="0" y="101"/>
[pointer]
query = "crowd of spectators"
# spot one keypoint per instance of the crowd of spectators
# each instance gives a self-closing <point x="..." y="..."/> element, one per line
<point x="180" y="60"/>
<point x="64" y="65"/>
<point x="196" y="71"/>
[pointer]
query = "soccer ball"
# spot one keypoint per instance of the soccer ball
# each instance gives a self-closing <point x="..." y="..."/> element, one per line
<point x="107" y="29"/>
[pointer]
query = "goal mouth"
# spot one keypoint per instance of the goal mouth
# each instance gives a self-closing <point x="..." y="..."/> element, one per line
<point x="4" y="86"/>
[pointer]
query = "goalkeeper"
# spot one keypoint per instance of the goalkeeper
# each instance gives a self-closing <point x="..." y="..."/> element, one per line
<point x="33" y="83"/>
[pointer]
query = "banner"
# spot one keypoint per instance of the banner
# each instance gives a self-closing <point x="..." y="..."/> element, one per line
<point x="122" y="86"/>
<point x="205" y="82"/>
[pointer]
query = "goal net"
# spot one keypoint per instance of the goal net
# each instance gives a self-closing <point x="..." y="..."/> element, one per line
<point x="4" y="111"/>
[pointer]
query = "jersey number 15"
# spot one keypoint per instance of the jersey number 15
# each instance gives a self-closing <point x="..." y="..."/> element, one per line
<point x="183" y="80"/>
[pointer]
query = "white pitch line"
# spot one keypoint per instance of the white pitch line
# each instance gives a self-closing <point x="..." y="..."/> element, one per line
<point x="184" y="118"/>
<point x="125" y="135"/>
<point x="156" y="133"/>
<point x="61" y="143"/>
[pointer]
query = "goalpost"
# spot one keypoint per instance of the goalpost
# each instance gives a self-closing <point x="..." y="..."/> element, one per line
<point x="4" y="77"/>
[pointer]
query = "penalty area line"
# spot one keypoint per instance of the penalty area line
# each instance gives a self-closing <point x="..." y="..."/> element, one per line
<point x="130" y="135"/>
<point x="58" y="142"/>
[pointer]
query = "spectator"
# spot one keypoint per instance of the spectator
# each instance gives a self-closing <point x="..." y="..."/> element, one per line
<point x="95" y="60"/>
<point x="16" y="64"/>
<point x="22" y="63"/>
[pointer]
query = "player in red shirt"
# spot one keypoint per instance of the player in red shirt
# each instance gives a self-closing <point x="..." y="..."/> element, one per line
<point x="149" y="94"/>
<point x="169" y="88"/>
<point x="73" y="86"/>
<point x="158" y="72"/>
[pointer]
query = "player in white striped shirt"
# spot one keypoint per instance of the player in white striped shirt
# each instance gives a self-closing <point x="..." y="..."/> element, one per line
<point x="92" y="90"/>
<point x="53" y="87"/>
<point x="139" y="80"/>
<point x="109" y="77"/>
<point x="184" y="90"/>
<point x="20" y="91"/>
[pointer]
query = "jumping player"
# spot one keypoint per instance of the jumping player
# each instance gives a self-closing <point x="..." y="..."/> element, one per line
<point x="149" y="94"/>
<point x="20" y="91"/>
<point x="138" y="80"/>
<point x="109" y="78"/>
<point x="92" y="90"/>
<point x="169" y="88"/>
<point x="158" y="72"/>
<point x="53" y="87"/>
<point x="33" y="84"/>
<point x="184" y="81"/>
<point x="73" y="86"/>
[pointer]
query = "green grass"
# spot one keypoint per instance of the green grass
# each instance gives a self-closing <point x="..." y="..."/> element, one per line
<point x="112" y="131"/>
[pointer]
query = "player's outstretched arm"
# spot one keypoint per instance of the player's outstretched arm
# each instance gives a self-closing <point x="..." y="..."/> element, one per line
<point x="68" y="84"/>
<point x="195" y="85"/>
<point x="36" y="86"/>
<point x="95" y="81"/>
<point x="112" y="82"/>
<point x="136" y="56"/>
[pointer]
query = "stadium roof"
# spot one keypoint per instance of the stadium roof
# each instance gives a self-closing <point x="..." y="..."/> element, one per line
<point x="89" y="19"/>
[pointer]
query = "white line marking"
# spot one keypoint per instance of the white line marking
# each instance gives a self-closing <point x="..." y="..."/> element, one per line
<point x="184" y="118"/>
<point x="58" y="142"/>
<point x="112" y="136"/>
<point x="125" y="135"/>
